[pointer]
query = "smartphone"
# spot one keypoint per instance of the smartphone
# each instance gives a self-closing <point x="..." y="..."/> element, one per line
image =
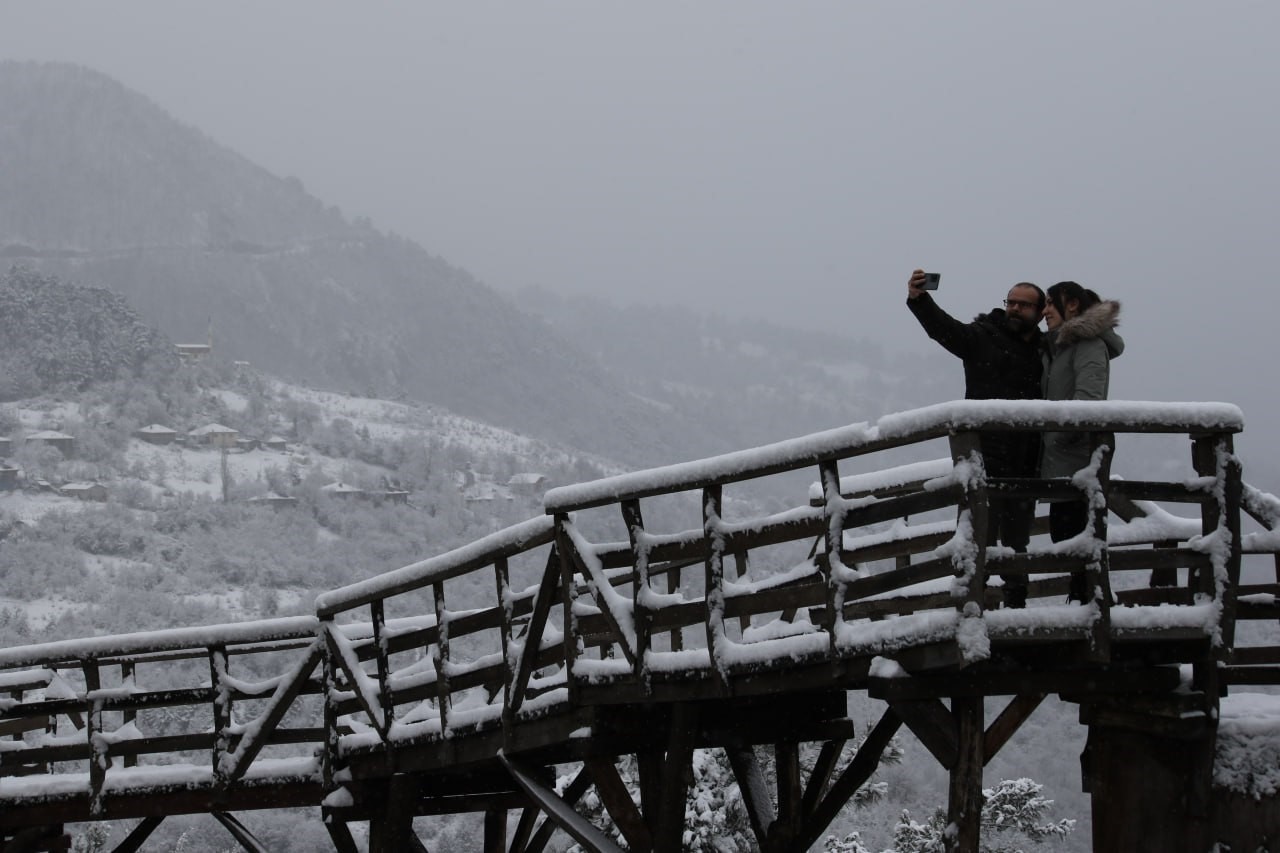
<point x="931" y="281"/>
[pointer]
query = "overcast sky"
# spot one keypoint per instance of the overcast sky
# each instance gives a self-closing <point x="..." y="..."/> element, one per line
<point x="791" y="160"/>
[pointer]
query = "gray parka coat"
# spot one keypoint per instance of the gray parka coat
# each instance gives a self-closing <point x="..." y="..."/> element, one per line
<point x="1077" y="366"/>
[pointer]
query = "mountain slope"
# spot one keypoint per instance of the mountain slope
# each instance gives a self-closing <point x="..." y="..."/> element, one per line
<point x="102" y="187"/>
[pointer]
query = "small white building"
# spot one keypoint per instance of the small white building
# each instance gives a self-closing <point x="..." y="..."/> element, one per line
<point x="156" y="434"/>
<point x="53" y="438"/>
<point x="214" y="435"/>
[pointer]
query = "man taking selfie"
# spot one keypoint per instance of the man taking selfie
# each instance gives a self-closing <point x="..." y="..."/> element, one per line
<point x="1001" y="355"/>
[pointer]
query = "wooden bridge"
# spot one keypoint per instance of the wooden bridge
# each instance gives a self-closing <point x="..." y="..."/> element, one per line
<point x="467" y="682"/>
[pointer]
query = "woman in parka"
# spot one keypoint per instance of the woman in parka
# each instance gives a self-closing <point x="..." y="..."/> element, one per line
<point x="1077" y="366"/>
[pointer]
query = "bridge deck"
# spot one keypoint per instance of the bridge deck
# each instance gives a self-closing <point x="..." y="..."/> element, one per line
<point x="550" y="648"/>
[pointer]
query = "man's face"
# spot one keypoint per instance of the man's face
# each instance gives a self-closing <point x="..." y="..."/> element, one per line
<point x="1022" y="309"/>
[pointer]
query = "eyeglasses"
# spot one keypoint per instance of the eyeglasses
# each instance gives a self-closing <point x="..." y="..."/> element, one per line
<point x="1020" y="303"/>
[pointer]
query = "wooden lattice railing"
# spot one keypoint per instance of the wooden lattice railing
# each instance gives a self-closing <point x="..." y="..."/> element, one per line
<point x="494" y="645"/>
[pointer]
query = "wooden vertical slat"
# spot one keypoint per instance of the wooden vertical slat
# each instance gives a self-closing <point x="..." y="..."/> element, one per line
<point x="833" y="513"/>
<point x="786" y="826"/>
<point x="441" y="657"/>
<point x="967" y="447"/>
<point x="712" y="507"/>
<point x="568" y="594"/>
<point x="502" y="581"/>
<point x="329" y="689"/>
<point x="222" y="708"/>
<point x="378" y="617"/>
<point x="741" y="565"/>
<point x="99" y="758"/>
<point x="639" y="587"/>
<point x="673" y="586"/>
<point x="1098" y="573"/>
<point x="128" y="671"/>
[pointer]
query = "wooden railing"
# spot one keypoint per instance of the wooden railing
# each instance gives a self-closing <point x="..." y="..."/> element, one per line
<point x="484" y="644"/>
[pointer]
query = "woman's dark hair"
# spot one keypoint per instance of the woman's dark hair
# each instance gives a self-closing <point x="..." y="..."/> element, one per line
<point x="1068" y="291"/>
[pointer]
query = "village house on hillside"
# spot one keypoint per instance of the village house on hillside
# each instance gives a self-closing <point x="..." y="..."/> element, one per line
<point x="53" y="438"/>
<point x="85" y="491"/>
<point x="527" y="484"/>
<point x="6" y="446"/>
<point x="213" y="435"/>
<point x="156" y="434"/>
<point x="340" y="489"/>
<point x="275" y="442"/>
<point x="8" y="478"/>
<point x="193" y="352"/>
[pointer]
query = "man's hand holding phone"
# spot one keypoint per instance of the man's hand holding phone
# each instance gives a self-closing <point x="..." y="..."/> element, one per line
<point x="921" y="281"/>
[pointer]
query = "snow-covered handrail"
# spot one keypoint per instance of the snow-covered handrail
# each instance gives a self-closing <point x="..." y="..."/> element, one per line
<point x="897" y="430"/>
<point x="504" y="543"/>
<point x="168" y="640"/>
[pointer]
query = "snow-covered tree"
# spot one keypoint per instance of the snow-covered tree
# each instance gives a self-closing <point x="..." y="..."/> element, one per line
<point x="1012" y="814"/>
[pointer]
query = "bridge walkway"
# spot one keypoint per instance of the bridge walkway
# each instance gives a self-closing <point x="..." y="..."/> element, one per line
<point x="473" y="680"/>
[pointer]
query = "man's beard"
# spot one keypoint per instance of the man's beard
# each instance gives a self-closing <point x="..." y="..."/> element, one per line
<point x="1017" y="324"/>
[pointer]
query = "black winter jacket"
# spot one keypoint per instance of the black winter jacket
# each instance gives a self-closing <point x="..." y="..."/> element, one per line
<point x="998" y="365"/>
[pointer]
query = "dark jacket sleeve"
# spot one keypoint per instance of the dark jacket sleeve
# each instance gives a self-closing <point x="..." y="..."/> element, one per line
<point x="958" y="338"/>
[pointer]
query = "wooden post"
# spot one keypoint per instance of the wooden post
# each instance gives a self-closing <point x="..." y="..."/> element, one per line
<point x="99" y="758"/>
<point x="964" y="800"/>
<point x="1098" y="574"/>
<point x="221" y="708"/>
<point x="495" y="831"/>
<point x="127" y="672"/>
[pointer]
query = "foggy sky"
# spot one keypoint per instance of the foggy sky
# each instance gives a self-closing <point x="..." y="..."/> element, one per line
<point x="789" y="160"/>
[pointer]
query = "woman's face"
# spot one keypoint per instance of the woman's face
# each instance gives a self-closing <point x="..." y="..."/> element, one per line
<point x="1052" y="318"/>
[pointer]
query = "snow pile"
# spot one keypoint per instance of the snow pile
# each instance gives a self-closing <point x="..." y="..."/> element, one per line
<point x="1248" y="750"/>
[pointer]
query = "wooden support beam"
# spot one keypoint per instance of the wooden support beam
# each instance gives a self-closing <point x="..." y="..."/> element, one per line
<point x="1009" y="721"/>
<point x="99" y="757"/>
<point x="964" y="800"/>
<point x="823" y="767"/>
<point x="495" y="831"/>
<point x="391" y="830"/>
<point x="935" y="726"/>
<point x="340" y="833"/>
<point x="576" y="788"/>
<point x="618" y="803"/>
<point x="860" y="770"/>
<point x="668" y="823"/>
<point x="754" y="790"/>
<point x="786" y="826"/>
<point x="133" y="842"/>
<point x="557" y="809"/>
<point x="240" y="832"/>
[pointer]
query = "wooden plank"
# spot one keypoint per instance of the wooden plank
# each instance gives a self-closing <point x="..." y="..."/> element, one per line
<point x="968" y="447"/>
<point x="358" y="680"/>
<point x="378" y="619"/>
<point x="99" y="757"/>
<point x="596" y="582"/>
<point x="558" y="810"/>
<point x="1159" y="492"/>
<point x="1010" y="720"/>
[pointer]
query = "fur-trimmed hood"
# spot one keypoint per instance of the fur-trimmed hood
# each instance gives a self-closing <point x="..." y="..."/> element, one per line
<point x="1094" y="322"/>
